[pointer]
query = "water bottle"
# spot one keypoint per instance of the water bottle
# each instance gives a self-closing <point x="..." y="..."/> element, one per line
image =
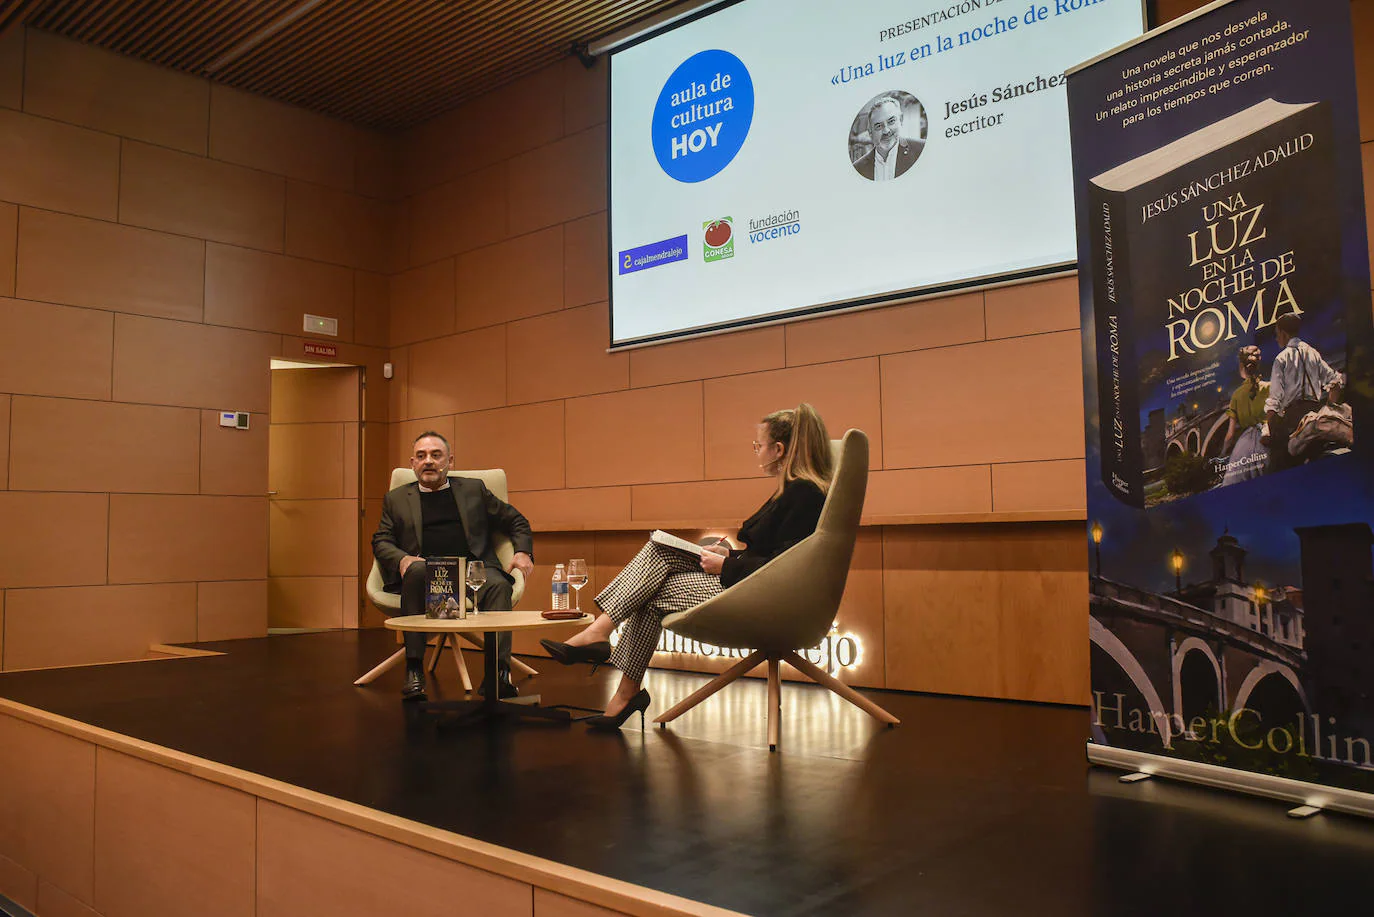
<point x="560" y="589"/>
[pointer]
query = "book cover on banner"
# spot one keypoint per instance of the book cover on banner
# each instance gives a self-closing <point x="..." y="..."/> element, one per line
<point x="444" y="588"/>
<point x="1201" y="245"/>
<point x="1228" y="373"/>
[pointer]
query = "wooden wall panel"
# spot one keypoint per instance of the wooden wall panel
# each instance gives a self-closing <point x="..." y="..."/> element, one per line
<point x="79" y="84"/>
<point x="54" y="902"/>
<point x="846" y="395"/>
<point x="1033" y="308"/>
<point x="4" y="441"/>
<point x="558" y="182"/>
<point x="584" y="261"/>
<point x="702" y="500"/>
<point x="376" y="162"/>
<point x="466" y="213"/>
<point x="580" y="506"/>
<point x="551" y="904"/>
<point x="266" y="292"/>
<point x="54" y="350"/>
<point x="172" y="538"/>
<point x="988" y="611"/>
<point x="305" y="601"/>
<point x="123" y="269"/>
<point x="422" y="303"/>
<point x="53" y="627"/>
<point x="336" y="226"/>
<point x="1362" y="26"/>
<point x="1042" y="370"/>
<point x="135" y="448"/>
<point x="527" y="441"/>
<point x="641" y="436"/>
<point x="869" y="332"/>
<point x="308" y="865"/>
<point x="55" y="166"/>
<point x="281" y="139"/>
<point x="9" y="238"/>
<point x="1039" y="486"/>
<point x="77" y="522"/>
<point x="586" y="95"/>
<point x="461" y="372"/>
<point x="372" y="310"/>
<point x="177" y="192"/>
<point x="510" y="280"/>
<point x="918" y="491"/>
<point x="563" y="355"/>
<point x="48" y="806"/>
<point x="12" y="69"/>
<point x="233" y="462"/>
<point x="170" y="843"/>
<point x="231" y="610"/>
<point x="709" y="357"/>
<point x="162" y="362"/>
<point x="18" y="884"/>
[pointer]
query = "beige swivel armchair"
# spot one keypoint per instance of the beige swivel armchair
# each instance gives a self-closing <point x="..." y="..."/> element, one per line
<point x="790" y="602"/>
<point x="390" y="604"/>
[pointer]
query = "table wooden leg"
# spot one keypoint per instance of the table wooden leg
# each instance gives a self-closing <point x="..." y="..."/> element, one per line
<point x="462" y="667"/>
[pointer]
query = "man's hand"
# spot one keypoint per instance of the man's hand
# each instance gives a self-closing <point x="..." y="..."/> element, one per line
<point x="522" y="562"/>
<point x="406" y="562"/>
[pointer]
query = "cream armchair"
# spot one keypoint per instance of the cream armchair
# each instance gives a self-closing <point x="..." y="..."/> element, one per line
<point x="390" y="604"/>
<point x="790" y="602"/>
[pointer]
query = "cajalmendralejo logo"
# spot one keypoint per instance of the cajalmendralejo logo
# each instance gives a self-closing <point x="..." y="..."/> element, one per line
<point x="718" y="239"/>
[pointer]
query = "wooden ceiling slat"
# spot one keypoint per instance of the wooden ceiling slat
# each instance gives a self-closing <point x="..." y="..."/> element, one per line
<point x="386" y="65"/>
<point x="492" y="62"/>
<point x="478" y="47"/>
<point x="348" y="66"/>
<point x="339" y="44"/>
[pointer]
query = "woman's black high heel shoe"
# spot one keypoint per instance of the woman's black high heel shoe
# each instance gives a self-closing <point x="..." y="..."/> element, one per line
<point x="598" y="654"/>
<point x="640" y="703"/>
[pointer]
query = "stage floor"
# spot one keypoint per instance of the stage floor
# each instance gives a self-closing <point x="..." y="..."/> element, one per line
<point x="968" y="808"/>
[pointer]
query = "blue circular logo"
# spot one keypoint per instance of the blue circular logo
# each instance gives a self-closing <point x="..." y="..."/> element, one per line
<point x="703" y="115"/>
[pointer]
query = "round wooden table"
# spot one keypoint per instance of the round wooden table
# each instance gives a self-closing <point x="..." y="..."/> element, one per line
<point x="489" y="623"/>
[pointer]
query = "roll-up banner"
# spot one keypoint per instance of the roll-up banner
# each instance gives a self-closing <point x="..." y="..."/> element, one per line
<point x="1229" y="394"/>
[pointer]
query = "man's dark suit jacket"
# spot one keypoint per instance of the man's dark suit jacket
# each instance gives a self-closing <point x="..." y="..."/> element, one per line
<point x="907" y="151"/>
<point x="400" y="530"/>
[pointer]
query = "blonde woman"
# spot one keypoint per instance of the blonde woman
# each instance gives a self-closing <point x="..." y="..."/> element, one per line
<point x="794" y="448"/>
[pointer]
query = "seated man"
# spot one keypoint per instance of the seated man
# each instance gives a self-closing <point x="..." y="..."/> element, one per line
<point x="441" y="516"/>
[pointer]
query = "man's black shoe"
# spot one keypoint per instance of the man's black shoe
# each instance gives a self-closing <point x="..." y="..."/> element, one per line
<point x="414" y="687"/>
<point x="507" y="689"/>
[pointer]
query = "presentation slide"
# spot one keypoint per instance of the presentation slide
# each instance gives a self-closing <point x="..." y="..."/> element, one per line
<point x="774" y="157"/>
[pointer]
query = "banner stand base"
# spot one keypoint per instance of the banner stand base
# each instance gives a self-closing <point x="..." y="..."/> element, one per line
<point x="1310" y="798"/>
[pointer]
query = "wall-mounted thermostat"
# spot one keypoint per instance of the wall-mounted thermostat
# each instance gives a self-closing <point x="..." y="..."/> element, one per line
<point x="386" y="371"/>
<point x="319" y="324"/>
<point x="236" y="419"/>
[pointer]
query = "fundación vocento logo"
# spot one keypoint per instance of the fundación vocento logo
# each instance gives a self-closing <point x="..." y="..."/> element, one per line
<point x="774" y="226"/>
<point x="702" y="116"/>
<point x="718" y="239"/>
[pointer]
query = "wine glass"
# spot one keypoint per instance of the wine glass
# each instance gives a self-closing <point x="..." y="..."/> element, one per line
<point x="476" y="576"/>
<point x="577" y="578"/>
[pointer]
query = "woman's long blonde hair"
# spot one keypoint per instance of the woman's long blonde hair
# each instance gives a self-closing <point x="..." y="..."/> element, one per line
<point x="805" y="446"/>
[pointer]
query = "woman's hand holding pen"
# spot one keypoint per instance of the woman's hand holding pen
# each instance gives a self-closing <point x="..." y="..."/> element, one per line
<point x="713" y="556"/>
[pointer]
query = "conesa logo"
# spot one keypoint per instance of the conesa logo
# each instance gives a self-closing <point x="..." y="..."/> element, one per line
<point x="718" y="239"/>
<point x="702" y="116"/>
